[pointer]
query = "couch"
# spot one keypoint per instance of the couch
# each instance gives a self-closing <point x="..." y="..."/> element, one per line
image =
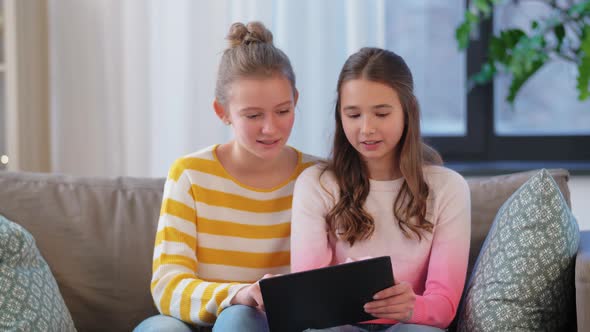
<point x="97" y="236"/>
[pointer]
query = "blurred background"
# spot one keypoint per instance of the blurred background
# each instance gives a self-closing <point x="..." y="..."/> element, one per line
<point x="124" y="87"/>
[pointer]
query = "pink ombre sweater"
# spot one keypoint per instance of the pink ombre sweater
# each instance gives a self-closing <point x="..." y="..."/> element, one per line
<point x="435" y="266"/>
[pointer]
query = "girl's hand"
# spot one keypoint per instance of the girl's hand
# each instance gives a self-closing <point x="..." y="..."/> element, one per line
<point x="251" y="295"/>
<point x="396" y="302"/>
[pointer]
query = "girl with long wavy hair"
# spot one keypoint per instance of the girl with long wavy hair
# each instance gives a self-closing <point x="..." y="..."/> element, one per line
<point x="384" y="192"/>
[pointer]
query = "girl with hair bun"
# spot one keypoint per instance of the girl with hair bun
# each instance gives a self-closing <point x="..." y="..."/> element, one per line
<point x="384" y="192"/>
<point x="226" y="211"/>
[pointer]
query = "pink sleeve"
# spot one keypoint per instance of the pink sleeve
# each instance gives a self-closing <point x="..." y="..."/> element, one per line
<point x="449" y="256"/>
<point x="310" y="247"/>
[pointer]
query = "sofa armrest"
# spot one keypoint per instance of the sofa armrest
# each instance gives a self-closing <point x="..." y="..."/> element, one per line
<point x="583" y="282"/>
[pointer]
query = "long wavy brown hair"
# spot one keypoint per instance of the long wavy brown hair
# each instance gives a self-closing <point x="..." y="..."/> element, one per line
<point x="348" y="217"/>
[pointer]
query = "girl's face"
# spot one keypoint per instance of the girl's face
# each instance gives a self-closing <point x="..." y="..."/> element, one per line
<point x="261" y="111"/>
<point x="373" y="121"/>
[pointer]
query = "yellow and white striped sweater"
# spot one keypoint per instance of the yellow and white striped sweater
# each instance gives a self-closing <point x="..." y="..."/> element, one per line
<point x="216" y="235"/>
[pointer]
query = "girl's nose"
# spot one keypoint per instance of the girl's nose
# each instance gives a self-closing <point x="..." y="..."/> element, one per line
<point x="269" y="126"/>
<point x="367" y="127"/>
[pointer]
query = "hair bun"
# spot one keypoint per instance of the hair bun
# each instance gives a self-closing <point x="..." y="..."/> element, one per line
<point x="254" y="32"/>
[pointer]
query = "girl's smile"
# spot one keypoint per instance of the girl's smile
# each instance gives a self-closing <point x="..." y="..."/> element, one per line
<point x="371" y="145"/>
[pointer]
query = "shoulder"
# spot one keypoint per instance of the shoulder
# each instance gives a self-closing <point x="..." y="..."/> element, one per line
<point x="449" y="198"/>
<point x="305" y="161"/>
<point x="317" y="172"/>
<point x="197" y="160"/>
<point x="316" y="186"/>
<point x="444" y="179"/>
<point x="317" y="175"/>
<point x="305" y="158"/>
<point x="207" y="153"/>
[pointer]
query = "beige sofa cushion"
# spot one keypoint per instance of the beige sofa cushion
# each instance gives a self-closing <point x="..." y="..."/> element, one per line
<point x="97" y="235"/>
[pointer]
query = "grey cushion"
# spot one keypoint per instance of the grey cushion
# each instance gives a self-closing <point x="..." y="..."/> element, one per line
<point x="490" y="192"/>
<point x="29" y="296"/>
<point x="523" y="277"/>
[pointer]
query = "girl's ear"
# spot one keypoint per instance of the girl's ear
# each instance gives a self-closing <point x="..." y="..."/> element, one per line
<point x="295" y="97"/>
<point x="220" y="111"/>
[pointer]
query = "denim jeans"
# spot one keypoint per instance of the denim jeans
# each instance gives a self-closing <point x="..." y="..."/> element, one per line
<point x="400" y="327"/>
<point x="233" y="318"/>
<point x="241" y="318"/>
<point x="164" y="323"/>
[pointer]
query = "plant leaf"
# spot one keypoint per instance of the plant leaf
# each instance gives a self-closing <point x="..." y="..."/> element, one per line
<point x="585" y="45"/>
<point x="559" y="31"/>
<point x="501" y="46"/>
<point x="511" y="37"/>
<point x="483" y="6"/>
<point x="583" y="79"/>
<point x="463" y="31"/>
<point x="486" y="74"/>
<point x="580" y="8"/>
<point x="526" y="54"/>
<point x="462" y="35"/>
<point x="498" y="51"/>
<point x="519" y="80"/>
<point x="472" y="17"/>
<point x="522" y="55"/>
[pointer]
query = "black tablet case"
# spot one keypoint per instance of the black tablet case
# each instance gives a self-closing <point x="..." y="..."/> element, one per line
<point x="324" y="297"/>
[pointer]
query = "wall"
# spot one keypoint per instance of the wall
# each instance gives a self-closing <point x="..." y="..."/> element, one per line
<point x="27" y="92"/>
<point x="580" y="193"/>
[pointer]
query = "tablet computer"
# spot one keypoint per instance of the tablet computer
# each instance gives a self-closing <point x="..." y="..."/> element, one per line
<point x="324" y="297"/>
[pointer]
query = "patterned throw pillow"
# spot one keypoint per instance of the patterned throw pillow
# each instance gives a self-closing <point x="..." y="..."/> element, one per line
<point x="523" y="277"/>
<point x="29" y="296"/>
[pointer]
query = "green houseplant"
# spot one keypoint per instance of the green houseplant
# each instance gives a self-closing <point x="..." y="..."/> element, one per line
<point x="565" y="34"/>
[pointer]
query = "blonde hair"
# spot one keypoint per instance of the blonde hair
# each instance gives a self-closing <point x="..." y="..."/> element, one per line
<point x="251" y="53"/>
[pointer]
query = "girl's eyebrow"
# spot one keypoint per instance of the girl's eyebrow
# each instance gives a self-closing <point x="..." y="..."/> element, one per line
<point x="350" y="108"/>
<point x="251" y="109"/>
<point x="285" y="103"/>
<point x="382" y="106"/>
<point x="258" y="109"/>
<point x="375" y="107"/>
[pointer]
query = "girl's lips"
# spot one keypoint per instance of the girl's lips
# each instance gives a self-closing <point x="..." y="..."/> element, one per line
<point x="370" y="145"/>
<point x="268" y="142"/>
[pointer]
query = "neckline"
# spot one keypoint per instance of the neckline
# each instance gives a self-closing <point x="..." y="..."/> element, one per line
<point x="243" y="185"/>
<point x="387" y="185"/>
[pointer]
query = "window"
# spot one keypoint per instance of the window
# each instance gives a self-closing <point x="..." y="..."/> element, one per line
<point x="438" y="68"/>
<point x="547" y="124"/>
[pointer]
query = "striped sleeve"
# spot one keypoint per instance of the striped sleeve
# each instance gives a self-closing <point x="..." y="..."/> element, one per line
<point x="176" y="289"/>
